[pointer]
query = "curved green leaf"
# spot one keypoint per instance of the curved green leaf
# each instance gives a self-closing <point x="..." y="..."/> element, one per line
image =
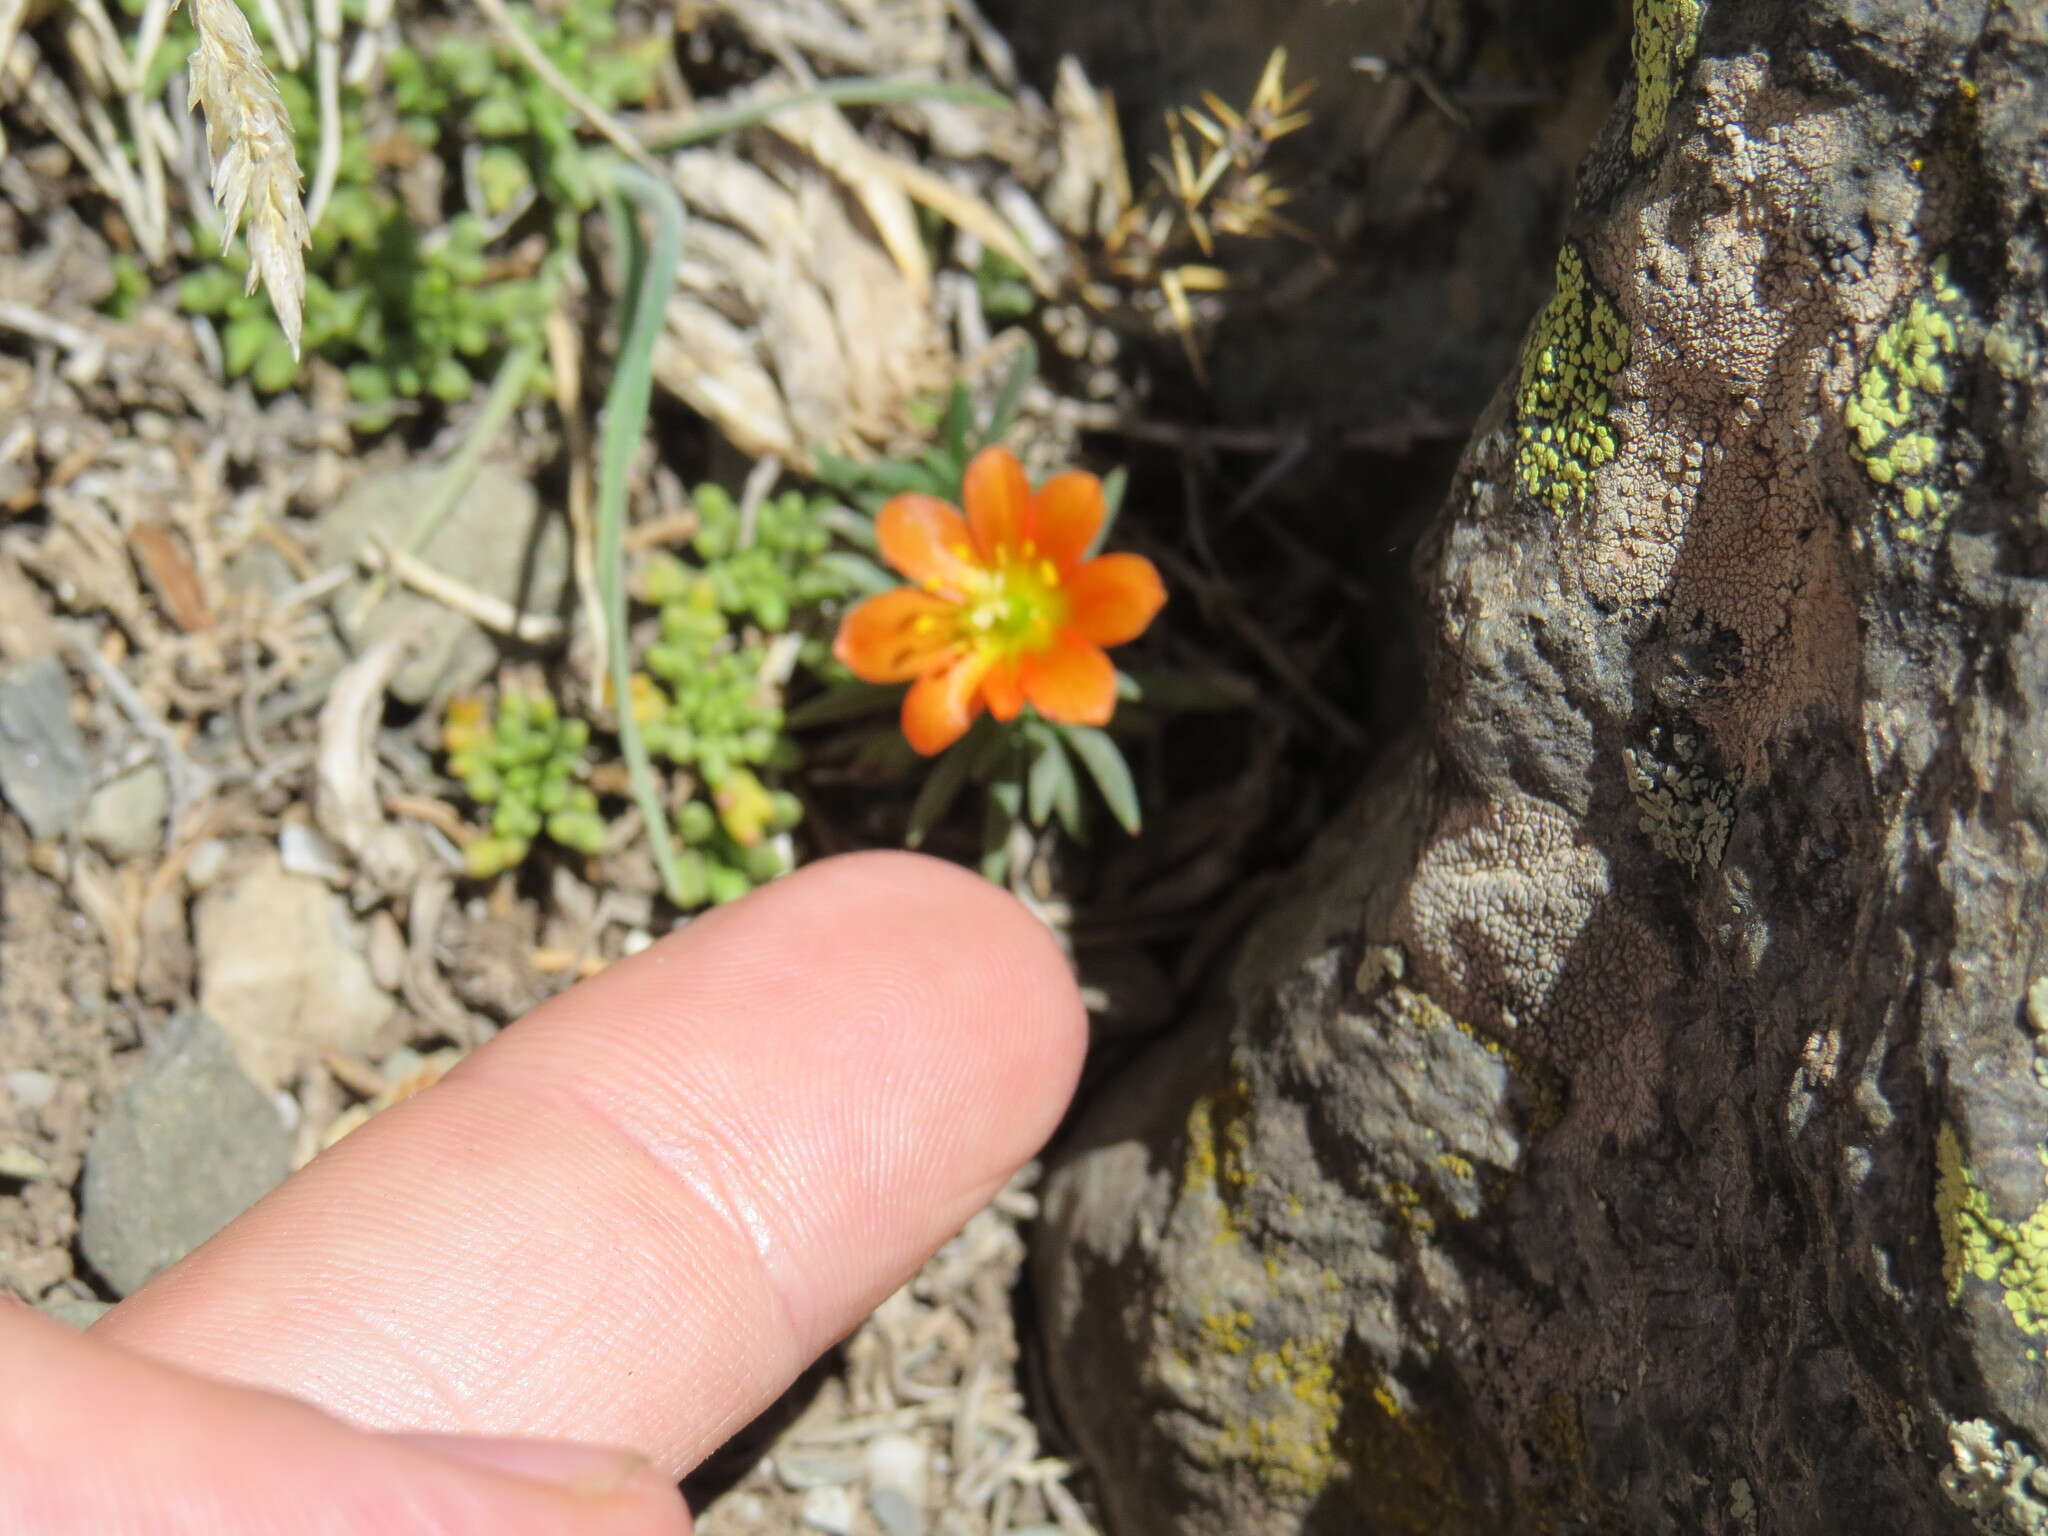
<point x="1105" y="763"/>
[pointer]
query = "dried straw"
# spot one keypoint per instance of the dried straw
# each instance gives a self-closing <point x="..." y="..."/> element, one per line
<point x="249" y="139"/>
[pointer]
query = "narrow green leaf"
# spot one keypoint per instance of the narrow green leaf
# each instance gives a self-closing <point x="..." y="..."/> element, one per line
<point x="857" y="91"/>
<point x="856" y="528"/>
<point x="1105" y="763"/>
<point x="835" y="471"/>
<point x="999" y="815"/>
<point x="623" y="429"/>
<point x="1066" y="805"/>
<point x="959" y="423"/>
<point x="1183" y="692"/>
<point x="941" y="788"/>
<point x="991" y="748"/>
<point x="842" y="702"/>
<point x="858" y="571"/>
<point x="1114" y="485"/>
<point x="1051" y="769"/>
<point x="1008" y="796"/>
<point x="1011" y="397"/>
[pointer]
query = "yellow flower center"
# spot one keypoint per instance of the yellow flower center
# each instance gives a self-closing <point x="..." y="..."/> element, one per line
<point x="1014" y="607"/>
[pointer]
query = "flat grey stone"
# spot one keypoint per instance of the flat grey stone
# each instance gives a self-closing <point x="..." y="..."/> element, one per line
<point x="498" y="539"/>
<point x="124" y="819"/>
<point x="188" y="1145"/>
<point x="829" y="1510"/>
<point x="894" y="1512"/>
<point x="42" y="757"/>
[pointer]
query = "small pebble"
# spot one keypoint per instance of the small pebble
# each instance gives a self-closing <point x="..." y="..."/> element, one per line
<point x="303" y="851"/>
<point x="742" y="1511"/>
<point x="895" y="1467"/>
<point x="894" y="1513"/>
<point x="800" y="1469"/>
<point x="124" y="819"/>
<point x="29" y="1088"/>
<point x="387" y="951"/>
<point x="829" y="1510"/>
<point x="206" y="863"/>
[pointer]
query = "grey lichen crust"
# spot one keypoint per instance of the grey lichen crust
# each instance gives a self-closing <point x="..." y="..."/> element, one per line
<point x="1673" y="1159"/>
<point x="1997" y="1479"/>
<point x="1688" y="813"/>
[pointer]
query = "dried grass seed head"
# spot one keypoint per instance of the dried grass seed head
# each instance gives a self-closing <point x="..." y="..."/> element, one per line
<point x="255" y="168"/>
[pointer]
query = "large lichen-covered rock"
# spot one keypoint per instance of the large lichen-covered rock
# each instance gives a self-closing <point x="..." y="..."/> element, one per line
<point x="1637" y="1120"/>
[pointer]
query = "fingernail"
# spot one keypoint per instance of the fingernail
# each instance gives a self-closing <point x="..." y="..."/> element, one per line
<point x="569" y="1464"/>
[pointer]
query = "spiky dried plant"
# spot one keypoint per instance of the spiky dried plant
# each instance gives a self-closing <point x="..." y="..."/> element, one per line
<point x="1200" y="192"/>
<point x="255" y="168"/>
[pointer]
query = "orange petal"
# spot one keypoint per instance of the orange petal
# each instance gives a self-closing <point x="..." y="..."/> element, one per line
<point x="1072" y="682"/>
<point x="897" y="635"/>
<point x="942" y="704"/>
<point x="998" y="501"/>
<point x="927" y="540"/>
<point x="1004" y="687"/>
<point x="1070" y="514"/>
<point x="1113" y="597"/>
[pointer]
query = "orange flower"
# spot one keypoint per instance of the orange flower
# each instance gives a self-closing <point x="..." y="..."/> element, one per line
<point x="1006" y="612"/>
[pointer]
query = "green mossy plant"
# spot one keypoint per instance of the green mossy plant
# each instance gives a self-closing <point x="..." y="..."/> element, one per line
<point x="412" y="313"/>
<point x="526" y="762"/>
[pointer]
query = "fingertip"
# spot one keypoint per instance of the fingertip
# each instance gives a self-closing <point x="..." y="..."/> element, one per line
<point x="972" y="984"/>
<point x="993" y="962"/>
<point x="633" y="1216"/>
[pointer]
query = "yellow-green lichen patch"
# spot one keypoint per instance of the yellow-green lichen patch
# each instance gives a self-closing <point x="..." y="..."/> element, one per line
<point x="1977" y="1244"/>
<point x="1562" y="431"/>
<point x="1404" y="1202"/>
<point x="1227" y="1329"/>
<point x="1895" y="415"/>
<point x="1666" y="34"/>
<point x="1218" y="1142"/>
<point x="1287" y="1437"/>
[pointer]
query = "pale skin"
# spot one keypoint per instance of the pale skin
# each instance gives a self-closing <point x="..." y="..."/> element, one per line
<point x="594" y="1251"/>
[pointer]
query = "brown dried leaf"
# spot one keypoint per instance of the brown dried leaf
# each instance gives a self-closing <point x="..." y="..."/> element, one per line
<point x="171" y="576"/>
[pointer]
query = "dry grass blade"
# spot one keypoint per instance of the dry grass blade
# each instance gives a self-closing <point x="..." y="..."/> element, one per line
<point x="255" y="169"/>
